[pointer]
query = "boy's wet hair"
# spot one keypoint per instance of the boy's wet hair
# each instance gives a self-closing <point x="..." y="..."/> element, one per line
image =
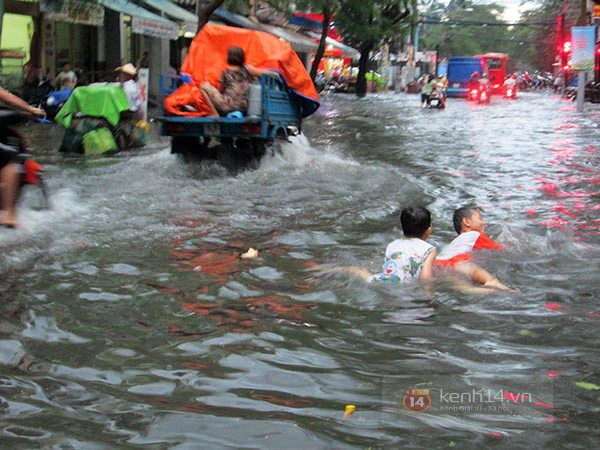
<point x="415" y="220"/>
<point x="462" y="213"/>
<point x="236" y="56"/>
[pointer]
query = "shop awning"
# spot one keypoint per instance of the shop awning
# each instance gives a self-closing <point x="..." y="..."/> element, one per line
<point x="144" y="21"/>
<point x="347" y="51"/>
<point x="299" y="42"/>
<point x="235" y="19"/>
<point x="177" y="13"/>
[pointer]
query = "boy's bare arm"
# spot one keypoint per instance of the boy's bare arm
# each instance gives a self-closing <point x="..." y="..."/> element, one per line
<point x="427" y="268"/>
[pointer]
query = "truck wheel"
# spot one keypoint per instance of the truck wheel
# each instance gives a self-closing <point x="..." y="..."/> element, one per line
<point x="258" y="148"/>
<point x="183" y="144"/>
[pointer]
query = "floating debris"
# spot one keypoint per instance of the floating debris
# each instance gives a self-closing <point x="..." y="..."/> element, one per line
<point x="251" y="253"/>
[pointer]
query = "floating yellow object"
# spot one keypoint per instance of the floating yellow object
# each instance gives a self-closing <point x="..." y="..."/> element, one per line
<point x="251" y="253"/>
<point x="349" y="410"/>
<point x="143" y="124"/>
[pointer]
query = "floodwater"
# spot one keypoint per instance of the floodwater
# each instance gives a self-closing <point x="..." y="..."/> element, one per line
<point x="129" y="320"/>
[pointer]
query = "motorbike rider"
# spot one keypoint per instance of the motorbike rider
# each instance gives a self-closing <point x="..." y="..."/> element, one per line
<point x="474" y="81"/>
<point x="10" y="167"/>
<point x="511" y="80"/>
<point x="429" y="83"/>
<point x="510" y="86"/>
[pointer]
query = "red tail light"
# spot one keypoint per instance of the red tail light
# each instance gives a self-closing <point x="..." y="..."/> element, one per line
<point x="252" y="128"/>
<point x="32" y="172"/>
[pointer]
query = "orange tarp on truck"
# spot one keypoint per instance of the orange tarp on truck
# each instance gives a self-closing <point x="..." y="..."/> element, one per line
<point x="207" y="58"/>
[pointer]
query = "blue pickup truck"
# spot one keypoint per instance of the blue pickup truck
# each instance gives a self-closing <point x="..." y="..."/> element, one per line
<point x="243" y="140"/>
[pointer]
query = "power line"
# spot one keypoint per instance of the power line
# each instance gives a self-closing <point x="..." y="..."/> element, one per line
<point x="490" y="24"/>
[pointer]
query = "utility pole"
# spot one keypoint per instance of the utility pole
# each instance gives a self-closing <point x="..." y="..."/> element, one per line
<point x="561" y="36"/>
<point x="411" y="50"/>
<point x="581" y="21"/>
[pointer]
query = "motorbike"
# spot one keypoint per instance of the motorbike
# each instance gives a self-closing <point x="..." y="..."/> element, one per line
<point x="510" y="92"/>
<point x="479" y="93"/>
<point x="320" y="82"/>
<point x="54" y="101"/>
<point x="437" y="99"/>
<point x="12" y="141"/>
<point x="97" y="121"/>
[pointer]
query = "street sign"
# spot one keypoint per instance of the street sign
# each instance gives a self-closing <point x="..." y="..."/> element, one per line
<point x="584" y="47"/>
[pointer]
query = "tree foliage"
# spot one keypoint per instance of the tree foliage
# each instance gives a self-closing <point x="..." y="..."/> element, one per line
<point x="364" y="24"/>
<point x="454" y="35"/>
<point x="328" y="9"/>
<point x="532" y="44"/>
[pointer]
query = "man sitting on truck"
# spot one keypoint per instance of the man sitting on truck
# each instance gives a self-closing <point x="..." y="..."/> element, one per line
<point x="234" y="85"/>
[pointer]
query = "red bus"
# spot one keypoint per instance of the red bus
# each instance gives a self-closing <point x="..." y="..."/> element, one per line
<point x="500" y="66"/>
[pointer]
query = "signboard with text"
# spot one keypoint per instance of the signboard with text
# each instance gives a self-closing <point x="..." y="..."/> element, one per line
<point x="584" y="46"/>
<point x="154" y="28"/>
<point x="73" y="11"/>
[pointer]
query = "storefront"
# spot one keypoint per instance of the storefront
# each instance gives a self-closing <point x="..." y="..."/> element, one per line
<point x="18" y="19"/>
<point x="169" y="51"/>
<point x="14" y="49"/>
<point x="70" y="34"/>
<point x="338" y="57"/>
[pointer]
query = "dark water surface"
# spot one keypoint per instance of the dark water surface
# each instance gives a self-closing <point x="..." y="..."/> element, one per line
<point x="129" y="320"/>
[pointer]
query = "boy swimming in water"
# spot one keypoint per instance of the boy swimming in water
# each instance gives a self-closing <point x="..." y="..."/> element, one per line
<point x="407" y="259"/>
<point x="470" y="226"/>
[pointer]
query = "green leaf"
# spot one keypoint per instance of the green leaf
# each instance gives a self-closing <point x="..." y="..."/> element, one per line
<point x="588" y="386"/>
<point x="528" y="333"/>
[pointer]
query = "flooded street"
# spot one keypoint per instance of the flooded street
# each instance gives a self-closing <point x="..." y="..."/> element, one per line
<point x="129" y="320"/>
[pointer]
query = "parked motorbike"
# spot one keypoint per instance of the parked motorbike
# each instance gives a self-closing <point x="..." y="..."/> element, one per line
<point x="36" y="94"/>
<point x="592" y="92"/>
<point x="54" y="101"/>
<point x="320" y="82"/>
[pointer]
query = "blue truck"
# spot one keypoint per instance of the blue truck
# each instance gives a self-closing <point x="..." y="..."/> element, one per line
<point x="460" y="69"/>
<point x="237" y="140"/>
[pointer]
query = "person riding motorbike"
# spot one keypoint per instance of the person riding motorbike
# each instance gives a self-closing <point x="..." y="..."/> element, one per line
<point x="10" y="166"/>
<point x="474" y="81"/>
<point x="510" y="86"/>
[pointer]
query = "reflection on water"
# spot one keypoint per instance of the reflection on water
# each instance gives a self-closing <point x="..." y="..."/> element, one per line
<point x="129" y="319"/>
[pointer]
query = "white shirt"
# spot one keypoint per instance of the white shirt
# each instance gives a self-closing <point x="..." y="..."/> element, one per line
<point x="404" y="260"/>
<point x="66" y="80"/>
<point x="132" y="92"/>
